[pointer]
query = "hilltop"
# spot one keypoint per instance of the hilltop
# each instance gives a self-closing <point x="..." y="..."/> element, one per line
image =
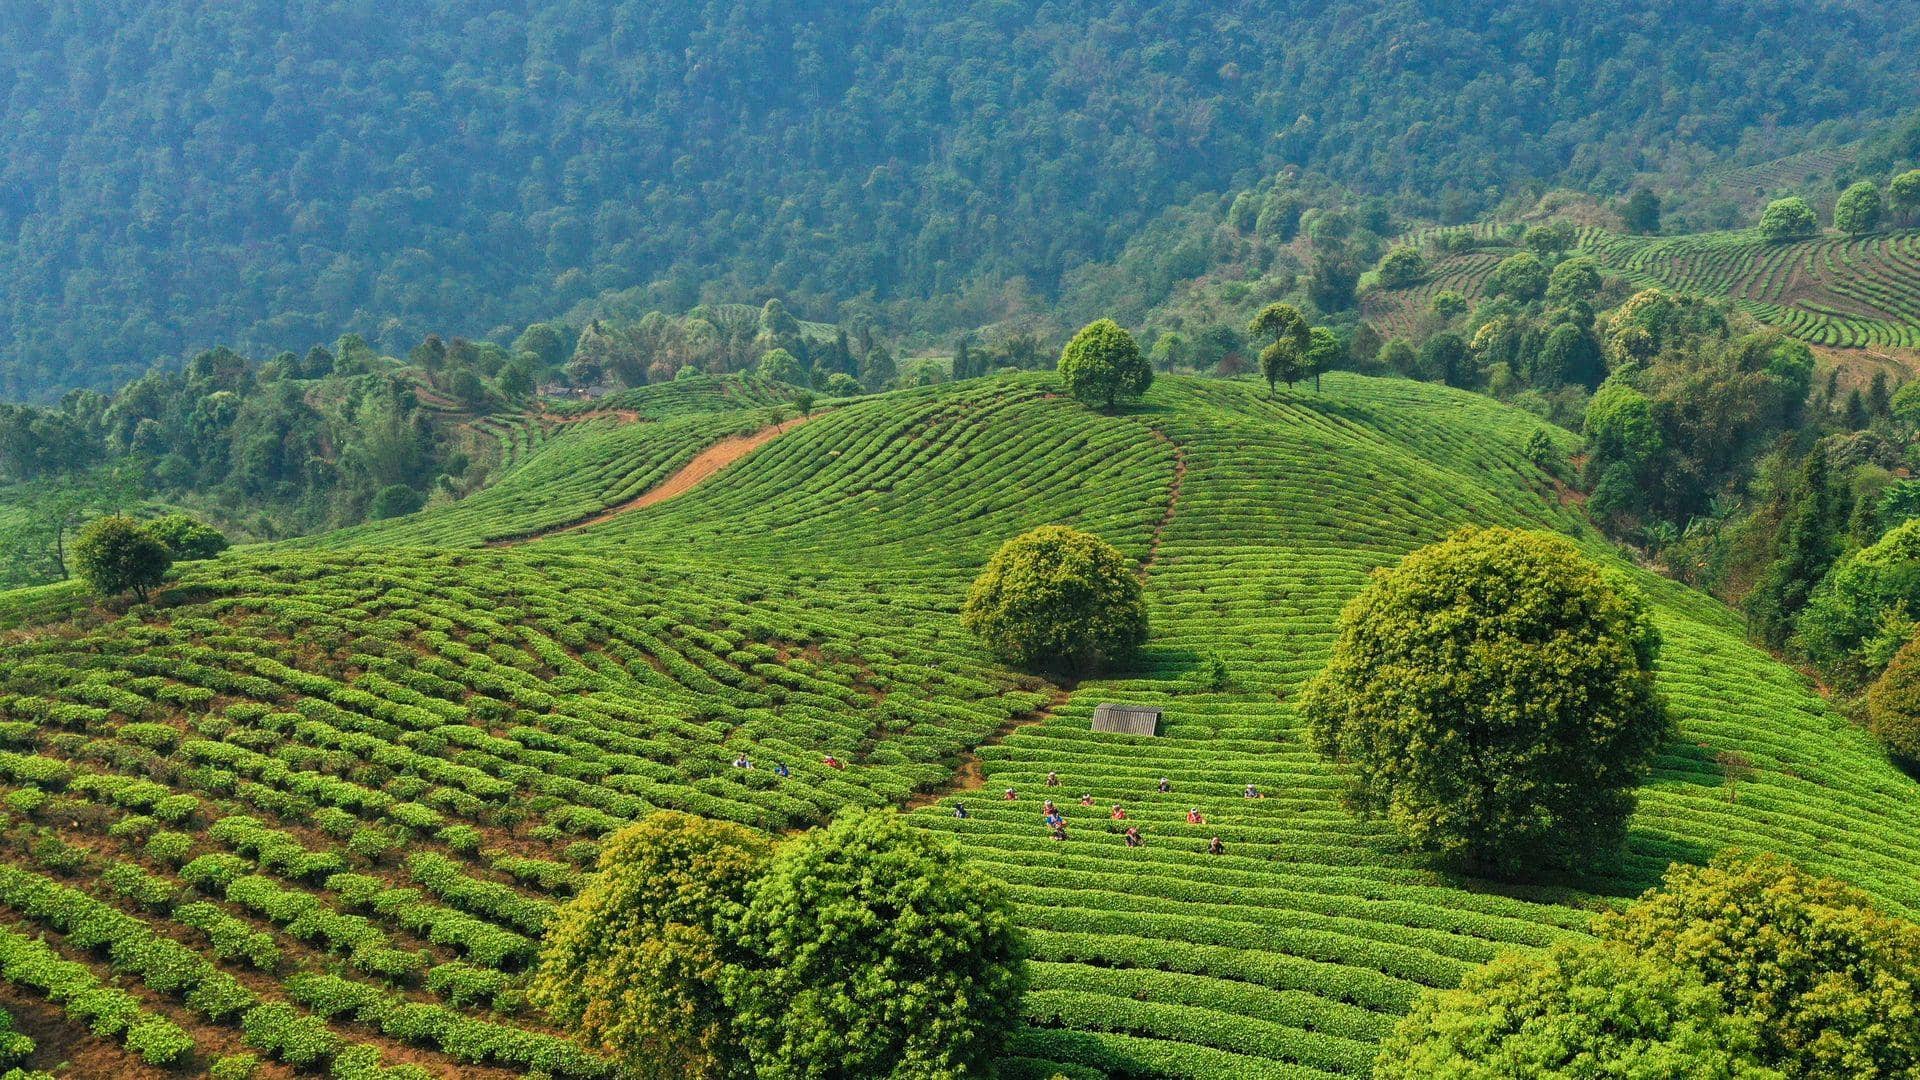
<point x="401" y="740"/>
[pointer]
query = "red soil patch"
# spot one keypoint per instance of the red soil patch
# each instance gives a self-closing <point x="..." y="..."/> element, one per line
<point x="704" y="464"/>
<point x="971" y="776"/>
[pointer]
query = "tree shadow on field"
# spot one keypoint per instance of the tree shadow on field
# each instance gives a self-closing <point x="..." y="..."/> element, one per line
<point x="1638" y="865"/>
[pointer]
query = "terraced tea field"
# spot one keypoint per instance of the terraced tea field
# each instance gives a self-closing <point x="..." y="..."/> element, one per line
<point x="318" y="801"/>
<point x="1845" y="292"/>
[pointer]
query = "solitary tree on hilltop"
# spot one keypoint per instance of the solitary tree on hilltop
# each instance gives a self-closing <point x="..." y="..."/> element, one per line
<point x="1102" y="364"/>
<point x="1493" y="699"/>
<point x="1285" y="357"/>
<point x="1058" y="596"/>
<point x="115" y="554"/>
<point x="1788" y="219"/>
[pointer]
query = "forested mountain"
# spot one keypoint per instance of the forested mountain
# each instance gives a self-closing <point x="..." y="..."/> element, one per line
<point x="179" y="173"/>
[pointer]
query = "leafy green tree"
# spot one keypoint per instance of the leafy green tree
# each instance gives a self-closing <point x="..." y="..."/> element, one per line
<point x="1642" y="212"/>
<point x="1859" y="208"/>
<point x="1827" y="978"/>
<point x="1521" y="275"/>
<point x="875" y="951"/>
<point x="1102" y="364"/>
<point x="1577" y="278"/>
<point x="1579" y="1011"/>
<point x="1397" y="355"/>
<point x="1325" y="351"/>
<point x="1810" y="540"/>
<point x="394" y="500"/>
<point x="516" y="381"/>
<point x="545" y="341"/>
<point x="1402" y="267"/>
<point x="1863" y="610"/>
<point x="1170" y="351"/>
<point x="781" y="366"/>
<point x="1550" y="239"/>
<point x="841" y="384"/>
<point x="1788" y="219"/>
<point x="115" y="554"/>
<point x="1445" y="358"/>
<point x="1903" y="196"/>
<point x="187" y="539"/>
<point x="1056" y="595"/>
<point x="1450" y="305"/>
<point x="877" y="369"/>
<point x="1492" y="697"/>
<point x="633" y="966"/>
<point x="1893" y="703"/>
<point x="1289" y="338"/>
<point x="1569" y="355"/>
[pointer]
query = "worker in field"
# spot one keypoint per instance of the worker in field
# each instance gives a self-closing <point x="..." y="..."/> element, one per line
<point x="1087" y="799"/>
<point x="1118" y="814"/>
<point x="1010" y="796"/>
<point x="1133" y="836"/>
<point x="1047" y="809"/>
<point x="1194" y="818"/>
<point x="1059" y="831"/>
<point x="780" y="769"/>
<point x="1215" y="847"/>
<point x="960" y="811"/>
<point x="741" y="762"/>
<point x="832" y="762"/>
<point x="1053" y="779"/>
<point x="1252" y="793"/>
<point x="1165" y="786"/>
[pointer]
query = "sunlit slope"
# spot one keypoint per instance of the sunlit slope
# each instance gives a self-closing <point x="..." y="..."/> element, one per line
<point x="804" y="601"/>
<point x="1297" y="947"/>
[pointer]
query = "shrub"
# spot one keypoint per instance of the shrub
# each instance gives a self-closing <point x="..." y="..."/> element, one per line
<point x="394" y="500"/>
<point x="1788" y="219"/>
<point x="1587" y="1010"/>
<point x="1827" y="978"/>
<point x="1493" y="696"/>
<point x="1402" y="267"/>
<point x="186" y="538"/>
<point x="233" y="1067"/>
<point x="876" y="952"/>
<point x="1102" y="364"/>
<point x="633" y="964"/>
<point x="1056" y="595"/>
<point x="1522" y="276"/>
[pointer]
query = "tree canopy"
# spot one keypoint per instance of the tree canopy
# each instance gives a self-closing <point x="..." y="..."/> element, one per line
<point x="1493" y="699"/>
<point x="1289" y="340"/>
<point x="1102" y="364"/>
<point x="1788" y="219"/>
<point x="116" y="554"/>
<point x="1058" y="596"/>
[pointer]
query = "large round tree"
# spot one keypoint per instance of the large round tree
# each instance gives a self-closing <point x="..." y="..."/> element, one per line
<point x="1832" y="983"/>
<point x="1588" y="1010"/>
<point x="1493" y="699"/>
<point x="1893" y="703"/>
<point x="1102" y="364"/>
<point x="875" y="952"/>
<point x="633" y="964"/>
<point x="1057" y="596"/>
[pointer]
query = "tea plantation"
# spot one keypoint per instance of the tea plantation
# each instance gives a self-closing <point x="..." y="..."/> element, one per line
<point x="317" y="802"/>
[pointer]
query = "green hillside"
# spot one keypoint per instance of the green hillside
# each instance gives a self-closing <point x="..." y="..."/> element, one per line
<point x="326" y="797"/>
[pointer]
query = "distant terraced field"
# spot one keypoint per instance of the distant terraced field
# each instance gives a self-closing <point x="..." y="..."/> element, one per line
<point x="319" y="801"/>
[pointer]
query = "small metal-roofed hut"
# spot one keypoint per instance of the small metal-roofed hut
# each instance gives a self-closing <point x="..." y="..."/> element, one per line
<point x="1126" y="719"/>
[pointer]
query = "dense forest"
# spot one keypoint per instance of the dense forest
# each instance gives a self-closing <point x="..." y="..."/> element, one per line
<point x="181" y="172"/>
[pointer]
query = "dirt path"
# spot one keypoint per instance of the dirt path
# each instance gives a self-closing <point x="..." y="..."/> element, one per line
<point x="971" y="776"/>
<point x="1173" y="502"/>
<point x="704" y="464"/>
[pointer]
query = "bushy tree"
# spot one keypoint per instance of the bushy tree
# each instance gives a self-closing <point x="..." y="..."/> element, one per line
<point x="1863" y="610"/>
<point x="1058" y="596"/>
<point x="1550" y="239"/>
<point x="115" y="554"/>
<point x="1788" y="219"/>
<point x="874" y="951"/>
<point x="1288" y="340"/>
<point x="1577" y="278"/>
<point x="1171" y="350"/>
<point x="187" y="539"/>
<point x="1402" y="267"/>
<point x="782" y="366"/>
<point x="1521" y="275"/>
<point x="1893" y="703"/>
<point x="1829" y="980"/>
<point x="545" y="341"/>
<point x="1858" y="209"/>
<point x="1446" y="358"/>
<point x="1579" y="1011"/>
<point x="1492" y="698"/>
<point x="633" y="966"/>
<point x="394" y="500"/>
<point x="1641" y="213"/>
<point x="1903" y="196"/>
<point x="1102" y="364"/>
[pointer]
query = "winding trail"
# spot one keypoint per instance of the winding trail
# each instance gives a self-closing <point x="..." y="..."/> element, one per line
<point x="971" y="776"/>
<point x="704" y="464"/>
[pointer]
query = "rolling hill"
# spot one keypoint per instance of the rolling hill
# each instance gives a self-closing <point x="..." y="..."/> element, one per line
<point x="320" y="797"/>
